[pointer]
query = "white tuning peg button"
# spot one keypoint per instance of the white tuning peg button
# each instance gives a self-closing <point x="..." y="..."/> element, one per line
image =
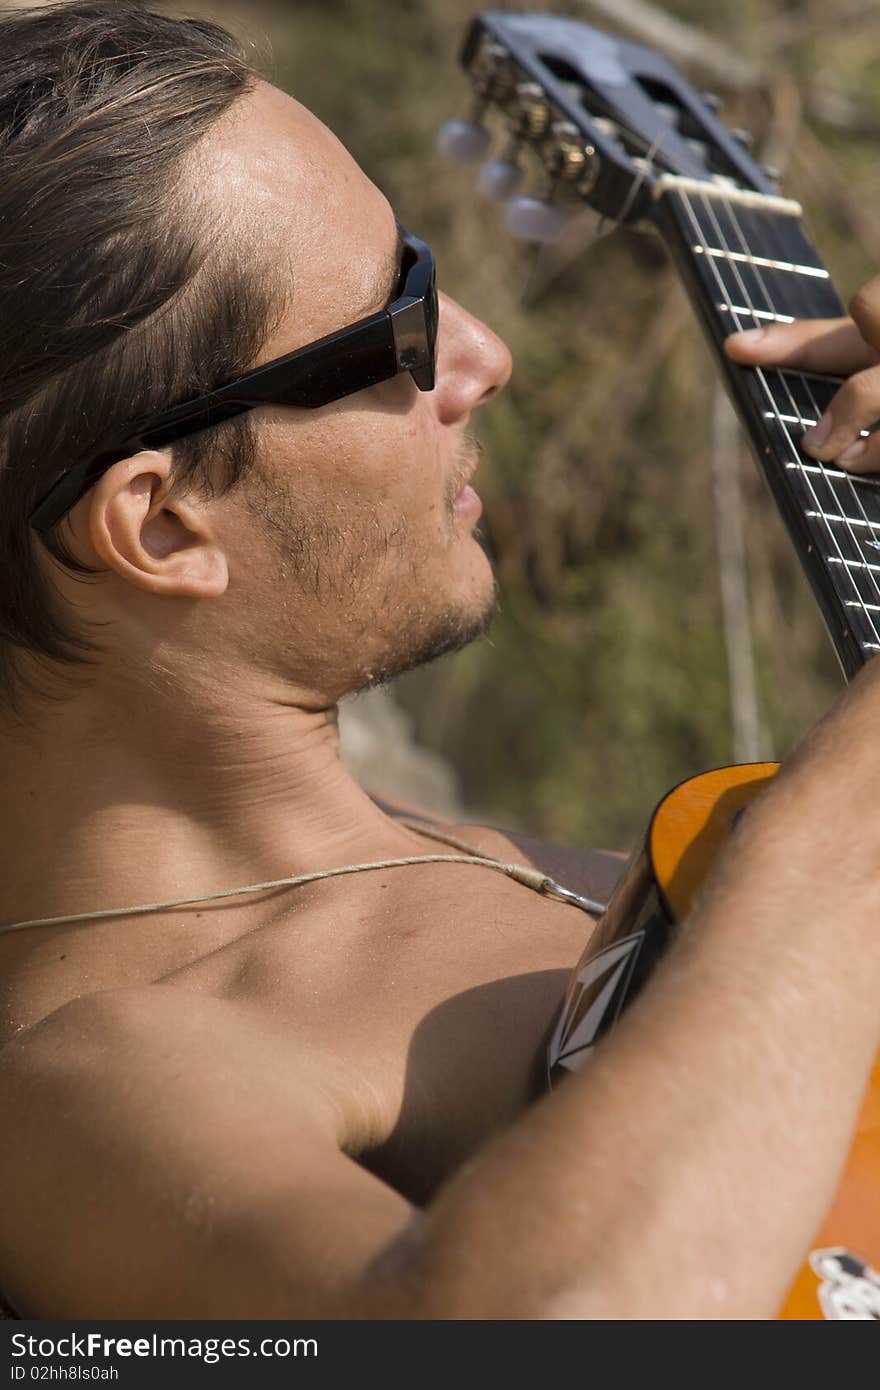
<point x="499" y="178"/>
<point x="533" y="219"/>
<point x="464" y="142"/>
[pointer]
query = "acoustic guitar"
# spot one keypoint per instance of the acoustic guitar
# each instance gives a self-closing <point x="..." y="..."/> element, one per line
<point x="614" y="125"/>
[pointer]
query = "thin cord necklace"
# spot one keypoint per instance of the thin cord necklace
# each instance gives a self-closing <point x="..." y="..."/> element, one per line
<point x="521" y="873"/>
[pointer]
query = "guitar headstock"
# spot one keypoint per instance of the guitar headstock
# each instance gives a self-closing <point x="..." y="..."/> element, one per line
<point x="605" y="117"/>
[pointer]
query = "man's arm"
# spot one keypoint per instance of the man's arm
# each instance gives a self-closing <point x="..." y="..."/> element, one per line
<point x="682" y="1173"/>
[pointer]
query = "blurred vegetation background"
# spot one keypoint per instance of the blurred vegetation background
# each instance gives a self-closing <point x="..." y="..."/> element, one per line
<point x="605" y="677"/>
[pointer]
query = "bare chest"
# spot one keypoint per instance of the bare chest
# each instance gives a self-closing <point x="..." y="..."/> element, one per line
<point x="423" y="1008"/>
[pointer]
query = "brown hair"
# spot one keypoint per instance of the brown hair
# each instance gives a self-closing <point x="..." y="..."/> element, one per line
<point x="118" y="292"/>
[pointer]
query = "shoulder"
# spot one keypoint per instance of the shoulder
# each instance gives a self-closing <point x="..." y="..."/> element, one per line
<point x="591" y="872"/>
<point x="135" y="1112"/>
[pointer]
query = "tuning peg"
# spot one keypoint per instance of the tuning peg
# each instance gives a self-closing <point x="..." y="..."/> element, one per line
<point x="743" y="137"/>
<point x="499" y="179"/>
<point x="535" y="219"/>
<point x="531" y="111"/>
<point x="492" y="72"/>
<point x="464" y="142"/>
<point x="713" y="101"/>
<point x="771" y="172"/>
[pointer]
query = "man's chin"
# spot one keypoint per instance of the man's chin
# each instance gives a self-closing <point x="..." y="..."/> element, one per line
<point x="449" y="632"/>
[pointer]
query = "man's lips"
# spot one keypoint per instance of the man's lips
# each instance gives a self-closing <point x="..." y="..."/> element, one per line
<point x="467" y="503"/>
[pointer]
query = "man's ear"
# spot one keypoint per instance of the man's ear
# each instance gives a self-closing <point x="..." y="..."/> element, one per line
<point x="161" y="543"/>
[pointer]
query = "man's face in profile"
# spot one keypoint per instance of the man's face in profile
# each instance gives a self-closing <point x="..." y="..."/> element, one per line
<point x="353" y="540"/>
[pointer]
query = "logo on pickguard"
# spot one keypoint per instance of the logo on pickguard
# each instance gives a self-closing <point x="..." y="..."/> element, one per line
<point x="596" y="997"/>
<point x="850" y="1288"/>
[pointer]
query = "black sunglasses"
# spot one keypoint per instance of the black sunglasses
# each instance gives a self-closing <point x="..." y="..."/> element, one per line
<point x="400" y="338"/>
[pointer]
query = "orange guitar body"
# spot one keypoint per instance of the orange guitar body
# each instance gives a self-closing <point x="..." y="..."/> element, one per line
<point x="840" y="1277"/>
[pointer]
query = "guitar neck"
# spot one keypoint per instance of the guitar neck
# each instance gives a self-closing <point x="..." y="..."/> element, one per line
<point x="746" y="262"/>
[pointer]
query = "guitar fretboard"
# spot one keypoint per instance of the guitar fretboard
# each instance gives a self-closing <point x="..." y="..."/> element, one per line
<point x="747" y="263"/>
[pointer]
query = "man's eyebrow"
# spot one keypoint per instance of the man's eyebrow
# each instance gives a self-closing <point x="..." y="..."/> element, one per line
<point x="386" y="281"/>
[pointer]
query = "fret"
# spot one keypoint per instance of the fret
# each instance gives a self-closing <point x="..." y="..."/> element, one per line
<point x="805" y="420"/>
<point x="856" y="575"/>
<point x="848" y="543"/>
<point x="860" y="594"/>
<point x="847" y="521"/>
<point x="763" y="314"/>
<point x="779" y="415"/>
<point x="856" y="583"/>
<point x="857" y="594"/>
<point x="749" y="294"/>
<point x="780" y="239"/>
<point x="735" y="285"/>
<point x="828" y="495"/>
<point x="756" y="246"/>
<point x="792" y="402"/>
<point x="823" y="470"/>
<point x="748" y="264"/>
<point x="817" y="271"/>
<point x="852" y="564"/>
<point x="764" y="288"/>
<point x="835" y="493"/>
<point x="829" y="508"/>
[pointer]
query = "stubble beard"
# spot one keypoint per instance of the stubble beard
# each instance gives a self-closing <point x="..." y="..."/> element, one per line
<point x="449" y="631"/>
<point x="321" y="560"/>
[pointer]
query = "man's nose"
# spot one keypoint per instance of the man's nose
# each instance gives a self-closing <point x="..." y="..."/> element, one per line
<point x="473" y="364"/>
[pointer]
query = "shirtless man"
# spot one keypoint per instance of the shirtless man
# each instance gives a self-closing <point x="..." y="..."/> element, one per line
<point x="324" y="1101"/>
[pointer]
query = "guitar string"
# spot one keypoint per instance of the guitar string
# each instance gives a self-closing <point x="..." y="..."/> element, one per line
<point x="827" y="476"/>
<point x="805" y="379"/>
<point x="795" y="411"/>
<point x="784" y="378"/>
<point x="642" y="173"/>
<point x="606" y="222"/>
<point x="761" y="378"/>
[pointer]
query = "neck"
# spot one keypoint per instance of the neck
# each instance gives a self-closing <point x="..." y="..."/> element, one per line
<point x="125" y="793"/>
